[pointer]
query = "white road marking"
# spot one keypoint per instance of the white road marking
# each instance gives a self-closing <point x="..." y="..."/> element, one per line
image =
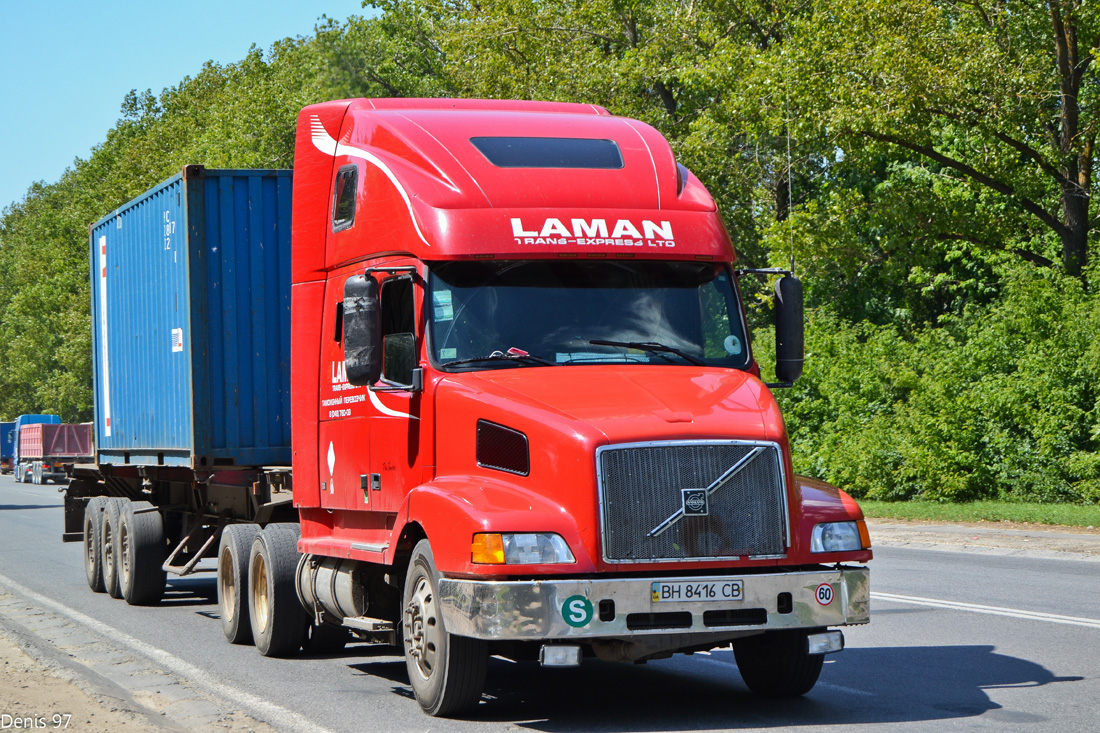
<point x="279" y="717"/>
<point x="1091" y="623"/>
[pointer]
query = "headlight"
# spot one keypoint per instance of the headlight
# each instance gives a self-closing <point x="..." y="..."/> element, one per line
<point x="836" y="537"/>
<point x="543" y="548"/>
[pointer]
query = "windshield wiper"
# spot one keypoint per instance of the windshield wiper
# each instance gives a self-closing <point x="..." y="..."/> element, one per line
<point x="513" y="355"/>
<point x="650" y="346"/>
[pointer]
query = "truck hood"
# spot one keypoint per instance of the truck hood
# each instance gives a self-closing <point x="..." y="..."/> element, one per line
<point x="626" y="404"/>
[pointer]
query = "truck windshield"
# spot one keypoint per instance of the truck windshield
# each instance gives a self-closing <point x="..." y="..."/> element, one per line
<point x="487" y="315"/>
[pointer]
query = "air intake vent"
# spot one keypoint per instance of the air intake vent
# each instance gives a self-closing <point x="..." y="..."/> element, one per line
<point x="502" y="448"/>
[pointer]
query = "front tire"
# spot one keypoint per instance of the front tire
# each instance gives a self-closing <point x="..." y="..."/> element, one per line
<point x="140" y="554"/>
<point x="277" y="617"/>
<point x="233" y="553"/>
<point x="447" y="672"/>
<point x="778" y="663"/>
<point x="93" y="543"/>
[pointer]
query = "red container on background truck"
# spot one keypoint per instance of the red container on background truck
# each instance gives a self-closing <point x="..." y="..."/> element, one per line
<point x="525" y="418"/>
<point x="45" y="448"/>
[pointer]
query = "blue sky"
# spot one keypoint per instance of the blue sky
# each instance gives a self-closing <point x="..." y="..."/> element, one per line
<point x="65" y="66"/>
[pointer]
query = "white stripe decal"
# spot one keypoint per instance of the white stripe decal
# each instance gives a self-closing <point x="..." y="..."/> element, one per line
<point x="652" y="161"/>
<point x="385" y="410"/>
<point x="103" y="336"/>
<point x="1092" y="623"/>
<point x="327" y="145"/>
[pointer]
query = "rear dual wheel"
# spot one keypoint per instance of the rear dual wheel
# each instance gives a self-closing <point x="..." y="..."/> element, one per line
<point x="107" y="532"/>
<point x="133" y="550"/>
<point x="233" y="553"/>
<point x="277" y="618"/>
<point x="140" y="553"/>
<point x="93" y="542"/>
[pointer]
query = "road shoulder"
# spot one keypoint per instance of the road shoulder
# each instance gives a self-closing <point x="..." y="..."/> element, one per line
<point x="997" y="538"/>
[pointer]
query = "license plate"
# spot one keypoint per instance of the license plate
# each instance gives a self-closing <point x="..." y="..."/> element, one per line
<point x="694" y="591"/>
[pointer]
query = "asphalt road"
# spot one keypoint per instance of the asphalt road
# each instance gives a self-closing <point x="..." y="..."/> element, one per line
<point x="958" y="640"/>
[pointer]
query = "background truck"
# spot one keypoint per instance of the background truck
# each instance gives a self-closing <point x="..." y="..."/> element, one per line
<point x="491" y="392"/>
<point x="48" y="447"/>
<point x="22" y="460"/>
<point x="7" y="445"/>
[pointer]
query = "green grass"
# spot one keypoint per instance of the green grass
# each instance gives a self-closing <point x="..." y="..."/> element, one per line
<point x="1072" y="515"/>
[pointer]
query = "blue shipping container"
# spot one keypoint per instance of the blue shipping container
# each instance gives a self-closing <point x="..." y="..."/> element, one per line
<point x="7" y="440"/>
<point x="191" y="322"/>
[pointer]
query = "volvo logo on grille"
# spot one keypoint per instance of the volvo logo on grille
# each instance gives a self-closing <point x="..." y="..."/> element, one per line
<point x="695" y="502"/>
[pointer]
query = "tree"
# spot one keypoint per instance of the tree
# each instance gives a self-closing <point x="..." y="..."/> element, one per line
<point x="998" y="95"/>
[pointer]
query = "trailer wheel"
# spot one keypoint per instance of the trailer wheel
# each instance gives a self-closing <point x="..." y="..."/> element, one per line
<point x="107" y="535"/>
<point x="93" y="543"/>
<point x="277" y="617"/>
<point x="447" y="672"/>
<point x="778" y="663"/>
<point x="233" y="552"/>
<point x="140" y="551"/>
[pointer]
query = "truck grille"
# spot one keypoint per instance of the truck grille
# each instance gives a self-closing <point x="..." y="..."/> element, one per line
<point x="691" y="501"/>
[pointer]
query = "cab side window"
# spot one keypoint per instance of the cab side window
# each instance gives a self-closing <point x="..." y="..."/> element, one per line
<point x="399" y="356"/>
<point x="343" y="207"/>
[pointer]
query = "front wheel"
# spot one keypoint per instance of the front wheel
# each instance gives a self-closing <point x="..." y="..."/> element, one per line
<point x="778" y="663"/>
<point x="447" y="672"/>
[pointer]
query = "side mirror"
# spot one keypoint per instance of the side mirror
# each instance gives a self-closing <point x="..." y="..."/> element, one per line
<point x="789" y="329"/>
<point x="362" y="330"/>
<point x="399" y="358"/>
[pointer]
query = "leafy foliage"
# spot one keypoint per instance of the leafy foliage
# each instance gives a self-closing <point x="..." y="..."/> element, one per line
<point x="927" y="163"/>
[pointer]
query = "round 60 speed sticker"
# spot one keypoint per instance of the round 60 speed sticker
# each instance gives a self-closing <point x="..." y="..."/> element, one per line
<point x="824" y="594"/>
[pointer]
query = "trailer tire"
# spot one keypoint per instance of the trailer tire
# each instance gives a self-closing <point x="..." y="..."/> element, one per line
<point x="275" y="613"/>
<point x="140" y="551"/>
<point x="778" y="664"/>
<point x="93" y="543"/>
<point x="107" y="535"/>
<point x="233" y="553"/>
<point x="447" y="672"/>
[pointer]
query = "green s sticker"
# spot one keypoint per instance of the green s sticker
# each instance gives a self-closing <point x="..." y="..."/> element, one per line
<point x="577" y="611"/>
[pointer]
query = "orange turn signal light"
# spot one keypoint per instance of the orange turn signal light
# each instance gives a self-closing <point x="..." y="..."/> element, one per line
<point x="487" y="549"/>
<point x="864" y="535"/>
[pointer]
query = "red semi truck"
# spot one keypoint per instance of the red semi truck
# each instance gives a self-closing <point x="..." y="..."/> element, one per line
<point x="525" y="416"/>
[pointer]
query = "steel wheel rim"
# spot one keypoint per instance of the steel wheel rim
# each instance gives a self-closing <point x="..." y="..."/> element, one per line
<point x="108" y="550"/>
<point x="227" y="585"/>
<point x="260" y="599"/>
<point x="124" y="549"/>
<point x="89" y="543"/>
<point x="423" y="631"/>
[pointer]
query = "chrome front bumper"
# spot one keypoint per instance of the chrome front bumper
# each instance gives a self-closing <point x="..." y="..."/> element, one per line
<point x="572" y="609"/>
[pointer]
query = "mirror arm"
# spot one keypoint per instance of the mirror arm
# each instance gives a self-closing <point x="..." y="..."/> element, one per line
<point x="385" y="385"/>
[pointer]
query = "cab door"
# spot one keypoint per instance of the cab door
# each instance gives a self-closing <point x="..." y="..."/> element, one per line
<point x="396" y="425"/>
